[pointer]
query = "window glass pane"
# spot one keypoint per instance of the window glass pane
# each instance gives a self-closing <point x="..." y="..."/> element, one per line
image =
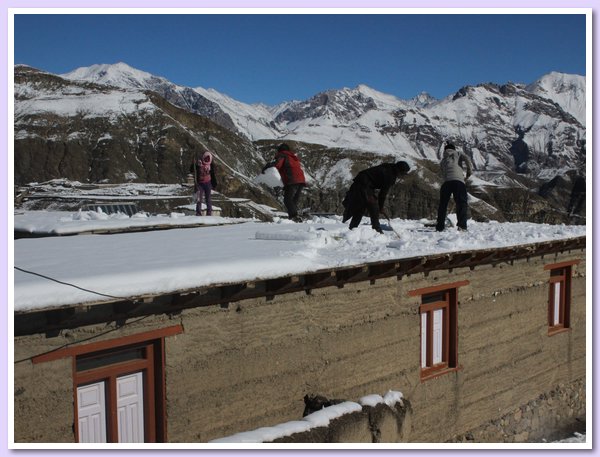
<point x="89" y="362"/>
<point x="431" y="298"/>
<point x="556" y="303"/>
<point x="557" y="272"/>
<point x="438" y="318"/>
<point x="423" y="340"/>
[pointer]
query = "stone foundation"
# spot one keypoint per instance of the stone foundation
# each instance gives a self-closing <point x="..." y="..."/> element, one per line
<point x="550" y="417"/>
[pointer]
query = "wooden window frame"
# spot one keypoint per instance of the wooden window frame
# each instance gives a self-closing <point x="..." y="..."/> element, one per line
<point x="561" y="273"/>
<point x="152" y="366"/>
<point x="109" y="374"/>
<point x="449" y="306"/>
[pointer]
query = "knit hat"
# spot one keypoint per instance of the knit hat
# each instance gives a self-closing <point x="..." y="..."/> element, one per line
<point x="402" y="167"/>
<point x="449" y="146"/>
<point x="283" y="147"/>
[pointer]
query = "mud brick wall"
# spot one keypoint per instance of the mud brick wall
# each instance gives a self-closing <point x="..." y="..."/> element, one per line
<point x="249" y="365"/>
<point x="506" y="356"/>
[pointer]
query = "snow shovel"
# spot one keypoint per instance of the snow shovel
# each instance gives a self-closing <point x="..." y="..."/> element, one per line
<point x="390" y="223"/>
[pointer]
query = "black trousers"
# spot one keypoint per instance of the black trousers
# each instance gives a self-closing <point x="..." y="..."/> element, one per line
<point x="361" y="198"/>
<point x="291" y="195"/>
<point x="459" y="191"/>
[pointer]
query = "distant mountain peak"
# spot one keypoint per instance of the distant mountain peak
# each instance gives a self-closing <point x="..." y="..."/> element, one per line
<point x="567" y="90"/>
<point x="423" y="100"/>
<point x="117" y="74"/>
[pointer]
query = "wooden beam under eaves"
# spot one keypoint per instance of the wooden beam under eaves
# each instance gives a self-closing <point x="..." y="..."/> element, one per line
<point x="351" y="275"/>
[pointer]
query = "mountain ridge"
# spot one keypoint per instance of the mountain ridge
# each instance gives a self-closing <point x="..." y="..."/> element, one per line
<point x="366" y="119"/>
<point x="122" y="124"/>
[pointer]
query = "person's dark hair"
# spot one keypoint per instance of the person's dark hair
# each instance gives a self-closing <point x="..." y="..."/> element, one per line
<point x="402" y="167"/>
<point x="283" y="147"/>
<point x="449" y="146"/>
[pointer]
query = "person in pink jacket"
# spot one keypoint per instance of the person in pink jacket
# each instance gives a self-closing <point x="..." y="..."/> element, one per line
<point x="205" y="181"/>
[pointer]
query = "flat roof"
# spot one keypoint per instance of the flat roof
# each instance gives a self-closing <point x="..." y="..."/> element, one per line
<point x="53" y="319"/>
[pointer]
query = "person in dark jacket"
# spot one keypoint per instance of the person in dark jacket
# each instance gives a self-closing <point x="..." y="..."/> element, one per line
<point x="454" y="184"/>
<point x="289" y="168"/>
<point x="205" y="180"/>
<point x="361" y="195"/>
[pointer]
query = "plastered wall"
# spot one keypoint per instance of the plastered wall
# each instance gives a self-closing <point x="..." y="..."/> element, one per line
<point x="250" y="364"/>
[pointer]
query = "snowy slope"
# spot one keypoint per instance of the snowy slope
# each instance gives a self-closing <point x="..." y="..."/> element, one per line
<point x="124" y="76"/>
<point x="254" y="121"/>
<point x="568" y="91"/>
<point x="79" y="100"/>
<point x="119" y="75"/>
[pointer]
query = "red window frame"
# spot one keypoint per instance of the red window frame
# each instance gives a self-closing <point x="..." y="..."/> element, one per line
<point x="109" y="374"/>
<point x="561" y="274"/>
<point x="445" y="298"/>
<point x="152" y="344"/>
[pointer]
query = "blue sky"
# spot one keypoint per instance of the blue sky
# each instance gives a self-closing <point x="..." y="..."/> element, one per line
<point x="275" y="58"/>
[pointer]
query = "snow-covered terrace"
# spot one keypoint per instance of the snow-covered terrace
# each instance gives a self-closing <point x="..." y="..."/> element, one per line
<point x="160" y="271"/>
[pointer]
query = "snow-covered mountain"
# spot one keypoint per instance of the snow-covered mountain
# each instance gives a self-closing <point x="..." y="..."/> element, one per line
<point x="532" y="129"/>
<point x="123" y="76"/>
<point x="254" y="121"/>
<point x="93" y="132"/>
<point x="567" y="91"/>
<point x="500" y="126"/>
<point x="115" y="123"/>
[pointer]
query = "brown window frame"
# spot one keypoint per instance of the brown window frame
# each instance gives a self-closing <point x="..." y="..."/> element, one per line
<point x="442" y="297"/>
<point x="561" y="273"/>
<point x="109" y="374"/>
<point x="152" y="344"/>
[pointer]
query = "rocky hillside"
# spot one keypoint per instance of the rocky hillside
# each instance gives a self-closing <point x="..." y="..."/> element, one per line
<point x="117" y="124"/>
<point x="95" y="133"/>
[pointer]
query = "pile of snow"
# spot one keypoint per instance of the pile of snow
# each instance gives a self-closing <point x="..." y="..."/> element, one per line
<point x="70" y="223"/>
<point x="576" y="438"/>
<point x="168" y="261"/>
<point x="391" y="398"/>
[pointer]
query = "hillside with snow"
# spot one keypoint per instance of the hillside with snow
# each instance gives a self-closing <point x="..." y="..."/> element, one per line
<point x="113" y="124"/>
<point x="567" y="91"/>
<point x="123" y="76"/>
<point x="86" y="100"/>
<point x="487" y="120"/>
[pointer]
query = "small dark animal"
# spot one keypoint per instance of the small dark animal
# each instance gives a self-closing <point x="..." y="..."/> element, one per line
<point x="316" y="403"/>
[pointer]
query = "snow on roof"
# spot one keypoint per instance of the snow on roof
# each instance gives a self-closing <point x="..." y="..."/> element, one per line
<point x="167" y="261"/>
<point x="72" y="223"/>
